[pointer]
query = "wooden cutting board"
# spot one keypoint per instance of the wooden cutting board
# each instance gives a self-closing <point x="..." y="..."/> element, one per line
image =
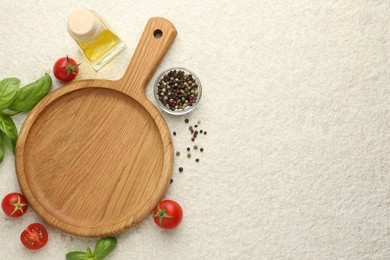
<point x="95" y="156"/>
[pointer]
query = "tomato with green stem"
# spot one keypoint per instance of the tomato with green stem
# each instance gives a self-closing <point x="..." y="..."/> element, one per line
<point x="66" y="69"/>
<point x="168" y="214"/>
<point x="34" y="236"/>
<point x="14" y="205"/>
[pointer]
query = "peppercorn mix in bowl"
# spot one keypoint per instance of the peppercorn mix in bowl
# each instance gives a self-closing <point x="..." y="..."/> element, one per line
<point x="177" y="91"/>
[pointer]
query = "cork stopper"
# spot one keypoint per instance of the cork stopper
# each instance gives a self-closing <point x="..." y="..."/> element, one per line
<point x="83" y="25"/>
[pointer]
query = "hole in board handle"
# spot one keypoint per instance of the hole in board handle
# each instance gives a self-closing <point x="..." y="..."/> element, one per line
<point x="157" y="33"/>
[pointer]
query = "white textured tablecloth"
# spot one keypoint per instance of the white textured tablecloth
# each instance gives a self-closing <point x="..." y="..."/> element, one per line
<point x="297" y="108"/>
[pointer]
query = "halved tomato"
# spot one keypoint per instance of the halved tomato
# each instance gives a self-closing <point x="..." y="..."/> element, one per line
<point x="34" y="236"/>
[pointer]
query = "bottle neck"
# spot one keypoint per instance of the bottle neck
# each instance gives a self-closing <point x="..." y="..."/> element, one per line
<point x="88" y="37"/>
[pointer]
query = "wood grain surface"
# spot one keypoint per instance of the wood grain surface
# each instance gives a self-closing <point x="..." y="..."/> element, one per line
<point x="95" y="156"/>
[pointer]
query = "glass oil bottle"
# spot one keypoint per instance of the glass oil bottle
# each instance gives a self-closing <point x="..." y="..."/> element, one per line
<point x="98" y="43"/>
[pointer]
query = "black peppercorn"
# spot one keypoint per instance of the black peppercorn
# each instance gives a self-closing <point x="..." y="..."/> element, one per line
<point x="201" y="149"/>
<point x="181" y="169"/>
<point x="186" y="121"/>
<point x="188" y="149"/>
<point x="196" y="160"/>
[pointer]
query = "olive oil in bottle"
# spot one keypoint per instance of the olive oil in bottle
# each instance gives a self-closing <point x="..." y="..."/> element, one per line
<point x="98" y="43"/>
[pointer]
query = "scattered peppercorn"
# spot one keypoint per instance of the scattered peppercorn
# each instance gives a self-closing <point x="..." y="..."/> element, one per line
<point x="195" y="147"/>
<point x="174" y="133"/>
<point x="186" y="120"/>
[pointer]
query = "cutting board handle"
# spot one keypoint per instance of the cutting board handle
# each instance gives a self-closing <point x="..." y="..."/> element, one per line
<point x="155" y="41"/>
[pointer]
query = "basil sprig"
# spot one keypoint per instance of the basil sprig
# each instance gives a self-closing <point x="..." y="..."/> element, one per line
<point x="14" y="100"/>
<point x="103" y="247"/>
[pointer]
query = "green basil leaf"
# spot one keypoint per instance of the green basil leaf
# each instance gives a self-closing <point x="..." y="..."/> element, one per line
<point x="8" y="89"/>
<point x="28" y="96"/>
<point x="104" y="246"/>
<point x="8" y="127"/>
<point x="2" y="146"/>
<point x="76" y="255"/>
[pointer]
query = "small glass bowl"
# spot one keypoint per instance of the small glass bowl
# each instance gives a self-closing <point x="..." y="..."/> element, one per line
<point x="179" y="111"/>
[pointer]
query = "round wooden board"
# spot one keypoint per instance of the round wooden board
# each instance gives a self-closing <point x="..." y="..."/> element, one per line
<point x="95" y="156"/>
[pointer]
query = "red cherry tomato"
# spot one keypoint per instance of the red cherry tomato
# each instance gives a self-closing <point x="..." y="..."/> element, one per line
<point x="14" y="205"/>
<point x="66" y="69"/>
<point x="34" y="236"/>
<point x="168" y="214"/>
